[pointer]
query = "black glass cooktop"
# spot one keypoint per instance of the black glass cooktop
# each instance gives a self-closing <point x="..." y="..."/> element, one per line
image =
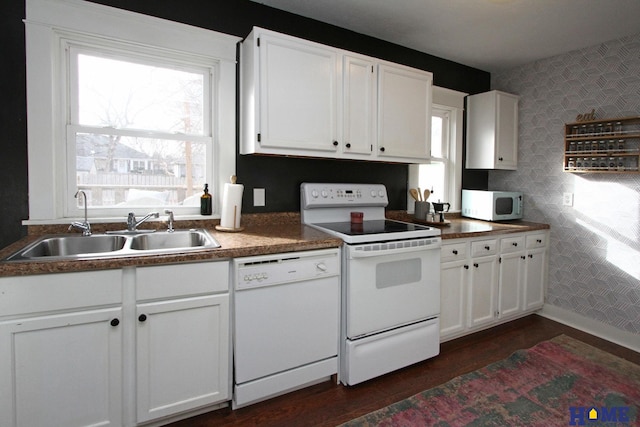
<point x="382" y="226"/>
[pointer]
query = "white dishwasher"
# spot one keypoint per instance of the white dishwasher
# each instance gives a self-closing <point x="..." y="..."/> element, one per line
<point x="286" y="322"/>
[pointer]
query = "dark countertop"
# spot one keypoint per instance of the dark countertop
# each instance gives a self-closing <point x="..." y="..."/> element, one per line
<point x="263" y="234"/>
<point x="254" y="240"/>
<point x="459" y="228"/>
<point x="463" y="228"/>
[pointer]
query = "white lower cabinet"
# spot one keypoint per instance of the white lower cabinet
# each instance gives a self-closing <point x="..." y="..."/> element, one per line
<point x="535" y="270"/>
<point x="453" y="279"/>
<point x="482" y="291"/>
<point x="511" y="276"/>
<point x="61" y="368"/>
<point x="182" y="343"/>
<point x="485" y="282"/>
<point x="114" y="347"/>
<point x="181" y="347"/>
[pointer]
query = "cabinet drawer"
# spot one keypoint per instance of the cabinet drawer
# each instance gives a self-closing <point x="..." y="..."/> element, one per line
<point x="484" y="247"/>
<point x="454" y="252"/>
<point x="168" y="281"/>
<point x="62" y="291"/>
<point x="538" y="240"/>
<point x="511" y="244"/>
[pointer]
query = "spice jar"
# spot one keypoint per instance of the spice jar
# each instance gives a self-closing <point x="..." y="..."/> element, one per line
<point x="617" y="128"/>
<point x="608" y="129"/>
<point x="602" y="146"/>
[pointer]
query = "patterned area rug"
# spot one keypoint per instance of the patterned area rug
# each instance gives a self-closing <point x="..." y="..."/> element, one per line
<point x="560" y="382"/>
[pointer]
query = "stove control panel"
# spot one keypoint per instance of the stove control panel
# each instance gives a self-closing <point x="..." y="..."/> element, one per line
<point x="342" y="195"/>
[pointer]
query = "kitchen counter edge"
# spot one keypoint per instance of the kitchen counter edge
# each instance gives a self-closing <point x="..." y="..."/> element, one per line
<point x="258" y="238"/>
<point x="254" y="240"/>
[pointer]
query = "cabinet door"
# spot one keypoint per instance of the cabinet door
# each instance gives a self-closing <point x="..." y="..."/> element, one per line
<point x="510" y="284"/>
<point x="492" y="131"/>
<point x="182" y="355"/>
<point x="404" y="113"/>
<point x="482" y="291"/>
<point x="535" y="279"/>
<point x="298" y="94"/>
<point x="453" y="279"/>
<point x="62" y="370"/>
<point x="359" y="99"/>
<point x="507" y="132"/>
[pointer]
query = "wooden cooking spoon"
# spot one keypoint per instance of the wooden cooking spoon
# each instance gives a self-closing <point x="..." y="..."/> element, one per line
<point x="427" y="193"/>
<point x="414" y="193"/>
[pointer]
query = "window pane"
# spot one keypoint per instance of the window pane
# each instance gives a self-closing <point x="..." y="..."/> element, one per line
<point x="128" y="95"/>
<point x="436" y="136"/>
<point x="121" y="171"/>
<point x="432" y="177"/>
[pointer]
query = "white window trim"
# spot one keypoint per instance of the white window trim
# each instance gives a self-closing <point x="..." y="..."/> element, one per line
<point x="46" y="21"/>
<point x="453" y="101"/>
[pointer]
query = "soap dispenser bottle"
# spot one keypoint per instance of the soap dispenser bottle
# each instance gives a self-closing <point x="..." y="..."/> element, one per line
<point x="205" y="201"/>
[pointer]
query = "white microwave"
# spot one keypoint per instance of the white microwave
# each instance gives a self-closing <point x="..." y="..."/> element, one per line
<point x="492" y="205"/>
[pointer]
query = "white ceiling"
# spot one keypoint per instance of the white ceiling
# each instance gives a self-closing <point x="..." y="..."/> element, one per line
<point x="491" y="35"/>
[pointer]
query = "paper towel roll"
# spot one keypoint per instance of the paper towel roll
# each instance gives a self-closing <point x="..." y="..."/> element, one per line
<point x="231" y="206"/>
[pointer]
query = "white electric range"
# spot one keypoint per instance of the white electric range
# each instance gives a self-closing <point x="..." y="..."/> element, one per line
<point x="390" y="279"/>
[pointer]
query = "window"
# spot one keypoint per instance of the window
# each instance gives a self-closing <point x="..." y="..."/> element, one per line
<point x="140" y="128"/>
<point x="442" y="175"/>
<point x="432" y="175"/>
<point x="134" y="110"/>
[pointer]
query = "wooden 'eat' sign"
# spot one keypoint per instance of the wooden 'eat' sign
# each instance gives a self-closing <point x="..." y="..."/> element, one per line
<point x="586" y="117"/>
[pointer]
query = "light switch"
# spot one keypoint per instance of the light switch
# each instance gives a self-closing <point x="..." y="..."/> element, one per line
<point x="258" y="197"/>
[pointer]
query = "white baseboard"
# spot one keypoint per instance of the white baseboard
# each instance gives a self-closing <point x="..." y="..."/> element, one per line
<point x="591" y="326"/>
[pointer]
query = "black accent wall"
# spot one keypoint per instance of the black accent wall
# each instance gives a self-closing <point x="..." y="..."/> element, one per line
<point x="281" y="176"/>
<point x="13" y="124"/>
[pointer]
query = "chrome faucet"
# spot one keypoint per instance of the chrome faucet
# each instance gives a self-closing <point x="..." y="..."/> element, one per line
<point x="132" y="224"/>
<point x="169" y="220"/>
<point x="84" y="226"/>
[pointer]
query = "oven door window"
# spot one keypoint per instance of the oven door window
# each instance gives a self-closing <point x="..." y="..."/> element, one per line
<point x="390" y="290"/>
<point x="398" y="273"/>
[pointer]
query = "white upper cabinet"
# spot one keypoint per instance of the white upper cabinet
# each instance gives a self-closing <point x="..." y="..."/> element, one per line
<point x="359" y="105"/>
<point x="302" y="98"/>
<point x="492" y="131"/>
<point x="404" y="113"/>
<point x="291" y="94"/>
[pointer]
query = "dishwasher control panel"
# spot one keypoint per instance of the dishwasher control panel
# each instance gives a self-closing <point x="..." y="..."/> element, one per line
<point x="271" y="270"/>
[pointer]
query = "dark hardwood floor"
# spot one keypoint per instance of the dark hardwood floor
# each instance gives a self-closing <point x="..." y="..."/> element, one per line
<point x="329" y="404"/>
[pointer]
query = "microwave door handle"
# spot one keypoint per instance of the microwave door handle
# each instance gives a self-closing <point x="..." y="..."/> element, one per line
<point x="519" y="210"/>
<point x="369" y="254"/>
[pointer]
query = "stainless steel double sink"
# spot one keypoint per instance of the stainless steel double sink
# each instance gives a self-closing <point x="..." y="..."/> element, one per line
<point x="76" y="246"/>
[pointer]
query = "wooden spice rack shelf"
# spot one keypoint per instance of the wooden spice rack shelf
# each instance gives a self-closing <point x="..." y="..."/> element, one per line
<point x="602" y="146"/>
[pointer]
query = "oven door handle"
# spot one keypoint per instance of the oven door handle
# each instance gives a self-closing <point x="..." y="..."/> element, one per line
<point x="354" y="254"/>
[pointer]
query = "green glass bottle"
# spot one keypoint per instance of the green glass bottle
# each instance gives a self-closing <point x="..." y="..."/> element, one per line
<point x="205" y="201"/>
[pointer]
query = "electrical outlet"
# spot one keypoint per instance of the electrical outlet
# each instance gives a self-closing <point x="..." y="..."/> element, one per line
<point x="567" y="199"/>
<point x="258" y="197"/>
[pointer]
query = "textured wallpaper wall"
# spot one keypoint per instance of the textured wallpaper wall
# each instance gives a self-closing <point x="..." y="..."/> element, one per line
<point x="594" y="262"/>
